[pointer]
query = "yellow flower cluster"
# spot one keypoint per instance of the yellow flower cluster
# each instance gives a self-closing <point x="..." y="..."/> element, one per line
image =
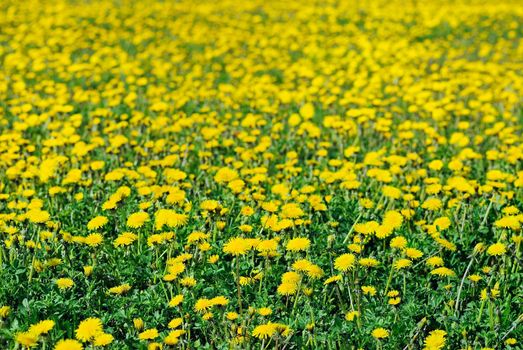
<point x="261" y="174"/>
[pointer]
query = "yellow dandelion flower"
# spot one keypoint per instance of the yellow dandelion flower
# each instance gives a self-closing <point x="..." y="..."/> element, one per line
<point x="435" y="340"/>
<point x="88" y="329"/>
<point x="27" y="339"/>
<point x="103" y="339"/>
<point x="344" y="262"/>
<point x="443" y="271"/>
<point x="4" y="311"/>
<point x="176" y="300"/>
<point x="368" y="290"/>
<point x="137" y="220"/>
<point x="97" y="222"/>
<point x="121" y="289"/>
<point x="351" y="315"/>
<point x="332" y="279"/>
<point x="368" y="262"/>
<point x="298" y="244"/>
<point x="64" y="283"/>
<point x="93" y="240"/>
<point x="68" y="344"/>
<point x="237" y="246"/>
<point x="402" y="263"/>
<point x="125" y="239"/>
<point x="175" y="323"/>
<point x="399" y="242"/>
<point x="148" y="334"/>
<point x="380" y="333"/>
<point x="42" y="327"/>
<point x="496" y="249"/>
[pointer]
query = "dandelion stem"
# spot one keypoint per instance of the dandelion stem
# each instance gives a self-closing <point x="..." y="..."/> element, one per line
<point x="491" y="315"/>
<point x="296" y="299"/>
<point x="484" y="221"/>
<point x="481" y="310"/>
<point x="404" y="284"/>
<point x="389" y="279"/>
<point x="514" y="325"/>
<point x="456" y="309"/>
<point x="238" y="286"/>
<point x="351" y="229"/>
<point x="340" y="299"/>
<point x="350" y="295"/>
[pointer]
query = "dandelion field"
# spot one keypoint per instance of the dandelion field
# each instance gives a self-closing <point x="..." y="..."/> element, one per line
<point x="261" y="175"/>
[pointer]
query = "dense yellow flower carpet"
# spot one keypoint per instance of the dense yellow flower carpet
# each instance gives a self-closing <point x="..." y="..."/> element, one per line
<point x="261" y="174"/>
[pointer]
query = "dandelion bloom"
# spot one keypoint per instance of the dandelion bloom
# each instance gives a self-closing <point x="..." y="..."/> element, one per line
<point x="175" y="323"/>
<point x="351" y="315"/>
<point x="88" y="329"/>
<point x="38" y="216"/>
<point x="97" y="222"/>
<point x="264" y="311"/>
<point x="88" y="270"/>
<point x="391" y="192"/>
<point x="291" y="277"/>
<point x="220" y="300"/>
<point x="197" y="236"/>
<point x="170" y="218"/>
<point x="64" y="283"/>
<point x="94" y="239"/>
<point x="435" y="340"/>
<point x="298" y="244"/>
<point x="368" y="262"/>
<point x="42" y="327"/>
<point x="148" y="334"/>
<point x="332" y="279"/>
<point x="231" y="316"/>
<point x="291" y="211"/>
<point x="398" y="242"/>
<point x="380" y="333"/>
<point x="103" y="339"/>
<point x="314" y="271"/>
<point x="269" y="329"/>
<point x="301" y="265"/>
<point x="496" y="249"/>
<point x="510" y="222"/>
<point x="203" y="304"/>
<point x="173" y="337"/>
<point x="237" y="246"/>
<point x="264" y="331"/>
<point x="27" y="339"/>
<point x="121" y="289"/>
<point x="188" y="281"/>
<point x="393" y="219"/>
<point x="125" y="239"/>
<point x="267" y="247"/>
<point x="136" y="220"/>
<point x="402" y="263"/>
<point x="68" y="344"/>
<point x="394" y="301"/>
<point x="176" y="300"/>
<point x="287" y="288"/>
<point x="370" y="290"/>
<point x="307" y="110"/>
<point x="225" y="175"/>
<point x="413" y="253"/>
<point x="443" y="271"/>
<point x="344" y="262"/>
<point x="432" y="204"/>
<point x="138" y="323"/>
<point x="434" y="261"/>
<point x="4" y="311"/>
